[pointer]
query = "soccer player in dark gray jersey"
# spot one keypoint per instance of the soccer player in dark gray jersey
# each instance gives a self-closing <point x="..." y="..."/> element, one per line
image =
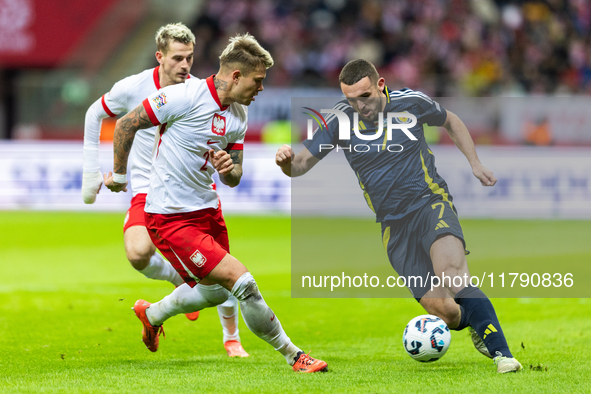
<point x="392" y="171"/>
<point x="420" y="227"/>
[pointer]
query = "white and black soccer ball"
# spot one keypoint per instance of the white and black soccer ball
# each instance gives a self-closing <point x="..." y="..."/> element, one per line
<point x="426" y="338"/>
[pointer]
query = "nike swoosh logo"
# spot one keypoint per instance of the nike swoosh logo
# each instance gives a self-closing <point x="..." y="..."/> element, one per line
<point x="273" y="318"/>
<point x="210" y="142"/>
<point x="228" y="318"/>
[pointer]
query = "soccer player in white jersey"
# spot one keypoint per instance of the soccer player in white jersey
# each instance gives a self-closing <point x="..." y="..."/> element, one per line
<point x="203" y="124"/>
<point x="175" y="56"/>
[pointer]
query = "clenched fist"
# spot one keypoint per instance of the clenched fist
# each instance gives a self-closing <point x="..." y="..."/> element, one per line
<point x="112" y="185"/>
<point x="221" y="161"/>
<point x="484" y="175"/>
<point x="284" y="156"/>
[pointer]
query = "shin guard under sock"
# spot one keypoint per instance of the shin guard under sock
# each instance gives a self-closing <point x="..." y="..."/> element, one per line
<point x="480" y="313"/>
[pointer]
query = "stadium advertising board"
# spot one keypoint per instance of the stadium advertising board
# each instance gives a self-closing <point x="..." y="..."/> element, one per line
<point x="48" y="176"/>
<point x="29" y="29"/>
<point x="532" y="182"/>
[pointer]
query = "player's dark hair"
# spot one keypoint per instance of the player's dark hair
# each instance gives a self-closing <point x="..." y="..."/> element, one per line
<point x="356" y="70"/>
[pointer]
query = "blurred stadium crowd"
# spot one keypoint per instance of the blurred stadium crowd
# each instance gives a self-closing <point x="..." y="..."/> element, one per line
<point x="443" y="47"/>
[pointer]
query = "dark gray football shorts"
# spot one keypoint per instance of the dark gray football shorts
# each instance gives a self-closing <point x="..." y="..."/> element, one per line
<point x="408" y="241"/>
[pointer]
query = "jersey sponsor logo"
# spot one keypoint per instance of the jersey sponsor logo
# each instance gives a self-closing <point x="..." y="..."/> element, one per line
<point x="218" y="125"/>
<point x="160" y="100"/>
<point x="198" y="259"/>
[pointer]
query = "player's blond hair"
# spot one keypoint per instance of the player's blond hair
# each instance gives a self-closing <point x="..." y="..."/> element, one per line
<point x="173" y="32"/>
<point x="245" y="54"/>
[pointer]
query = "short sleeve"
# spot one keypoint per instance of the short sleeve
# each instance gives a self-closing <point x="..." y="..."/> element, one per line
<point x="431" y="112"/>
<point x="168" y="104"/>
<point x="115" y="102"/>
<point x="237" y="143"/>
<point x="236" y="140"/>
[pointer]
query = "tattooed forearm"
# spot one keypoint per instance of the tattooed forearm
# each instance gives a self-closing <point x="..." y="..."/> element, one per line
<point x="220" y="84"/>
<point x="233" y="178"/>
<point x="123" y="136"/>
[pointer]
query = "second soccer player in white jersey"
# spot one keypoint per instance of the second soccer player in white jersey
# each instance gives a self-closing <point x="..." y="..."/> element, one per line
<point x="175" y="56"/>
<point x="203" y="124"/>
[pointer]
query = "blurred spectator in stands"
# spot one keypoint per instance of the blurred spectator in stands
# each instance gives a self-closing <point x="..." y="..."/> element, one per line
<point x="538" y="132"/>
<point x="444" y="48"/>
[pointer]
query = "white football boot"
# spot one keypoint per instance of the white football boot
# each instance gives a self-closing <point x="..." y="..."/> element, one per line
<point x="506" y="364"/>
<point x="479" y="343"/>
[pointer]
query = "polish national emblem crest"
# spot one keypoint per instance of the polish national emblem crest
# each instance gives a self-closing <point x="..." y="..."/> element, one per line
<point x="198" y="259"/>
<point x="218" y="125"/>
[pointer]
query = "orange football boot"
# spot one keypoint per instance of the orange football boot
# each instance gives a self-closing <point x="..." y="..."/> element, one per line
<point x="192" y="315"/>
<point x="305" y="363"/>
<point x="235" y="349"/>
<point x="150" y="333"/>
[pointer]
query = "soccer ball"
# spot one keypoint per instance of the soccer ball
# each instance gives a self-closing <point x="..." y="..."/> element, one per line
<point x="426" y="338"/>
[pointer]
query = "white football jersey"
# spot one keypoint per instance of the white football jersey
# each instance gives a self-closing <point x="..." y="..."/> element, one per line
<point x="192" y="121"/>
<point x="125" y="95"/>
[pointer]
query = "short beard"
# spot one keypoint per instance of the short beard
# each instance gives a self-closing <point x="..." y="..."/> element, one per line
<point x="374" y="119"/>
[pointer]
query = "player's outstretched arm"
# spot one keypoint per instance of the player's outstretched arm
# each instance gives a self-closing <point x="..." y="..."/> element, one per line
<point x="294" y="165"/>
<point x="124" y="133"/>
<point x="228" y="165"/>
<point x="460" y="135"/>
<point x="92" y="178"/>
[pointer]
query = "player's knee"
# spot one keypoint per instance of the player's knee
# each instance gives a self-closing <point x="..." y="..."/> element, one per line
<point x="449" y="312"/>
<point x="246" y="288"/>
<point x="215" y="294"/>
<point x="447" y="254"/>
<point x="139" y="256"/>
<point x="200" y="297"/>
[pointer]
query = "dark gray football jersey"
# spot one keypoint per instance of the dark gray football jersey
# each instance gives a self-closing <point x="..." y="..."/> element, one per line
<point x="397" y="175"/>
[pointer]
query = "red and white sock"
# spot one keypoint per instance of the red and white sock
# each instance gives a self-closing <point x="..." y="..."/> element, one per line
<point x="228" y="312"/>
<point x="260" y="319"/>
<point x="185" y="299"/>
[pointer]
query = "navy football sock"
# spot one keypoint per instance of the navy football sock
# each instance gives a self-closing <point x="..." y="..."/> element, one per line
<point x="482" y="317"/>
<point x="463" y="320"/>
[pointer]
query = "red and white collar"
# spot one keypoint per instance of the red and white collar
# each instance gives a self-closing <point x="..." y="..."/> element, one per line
<point x="157" y="77"/>
<point x="214" y="93"/>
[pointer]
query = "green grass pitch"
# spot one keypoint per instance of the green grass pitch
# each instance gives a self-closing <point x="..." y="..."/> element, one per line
<point x="66" y="291"/>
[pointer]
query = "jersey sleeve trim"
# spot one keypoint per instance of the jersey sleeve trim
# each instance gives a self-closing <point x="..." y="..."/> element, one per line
<point x="444" y="112"/>
<point x="157" y="78"/>
<point x="235" y="147"/>
<point x="150" y="112"/>
<point x="214" y="93"/>
<point x="107" y="110"/>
